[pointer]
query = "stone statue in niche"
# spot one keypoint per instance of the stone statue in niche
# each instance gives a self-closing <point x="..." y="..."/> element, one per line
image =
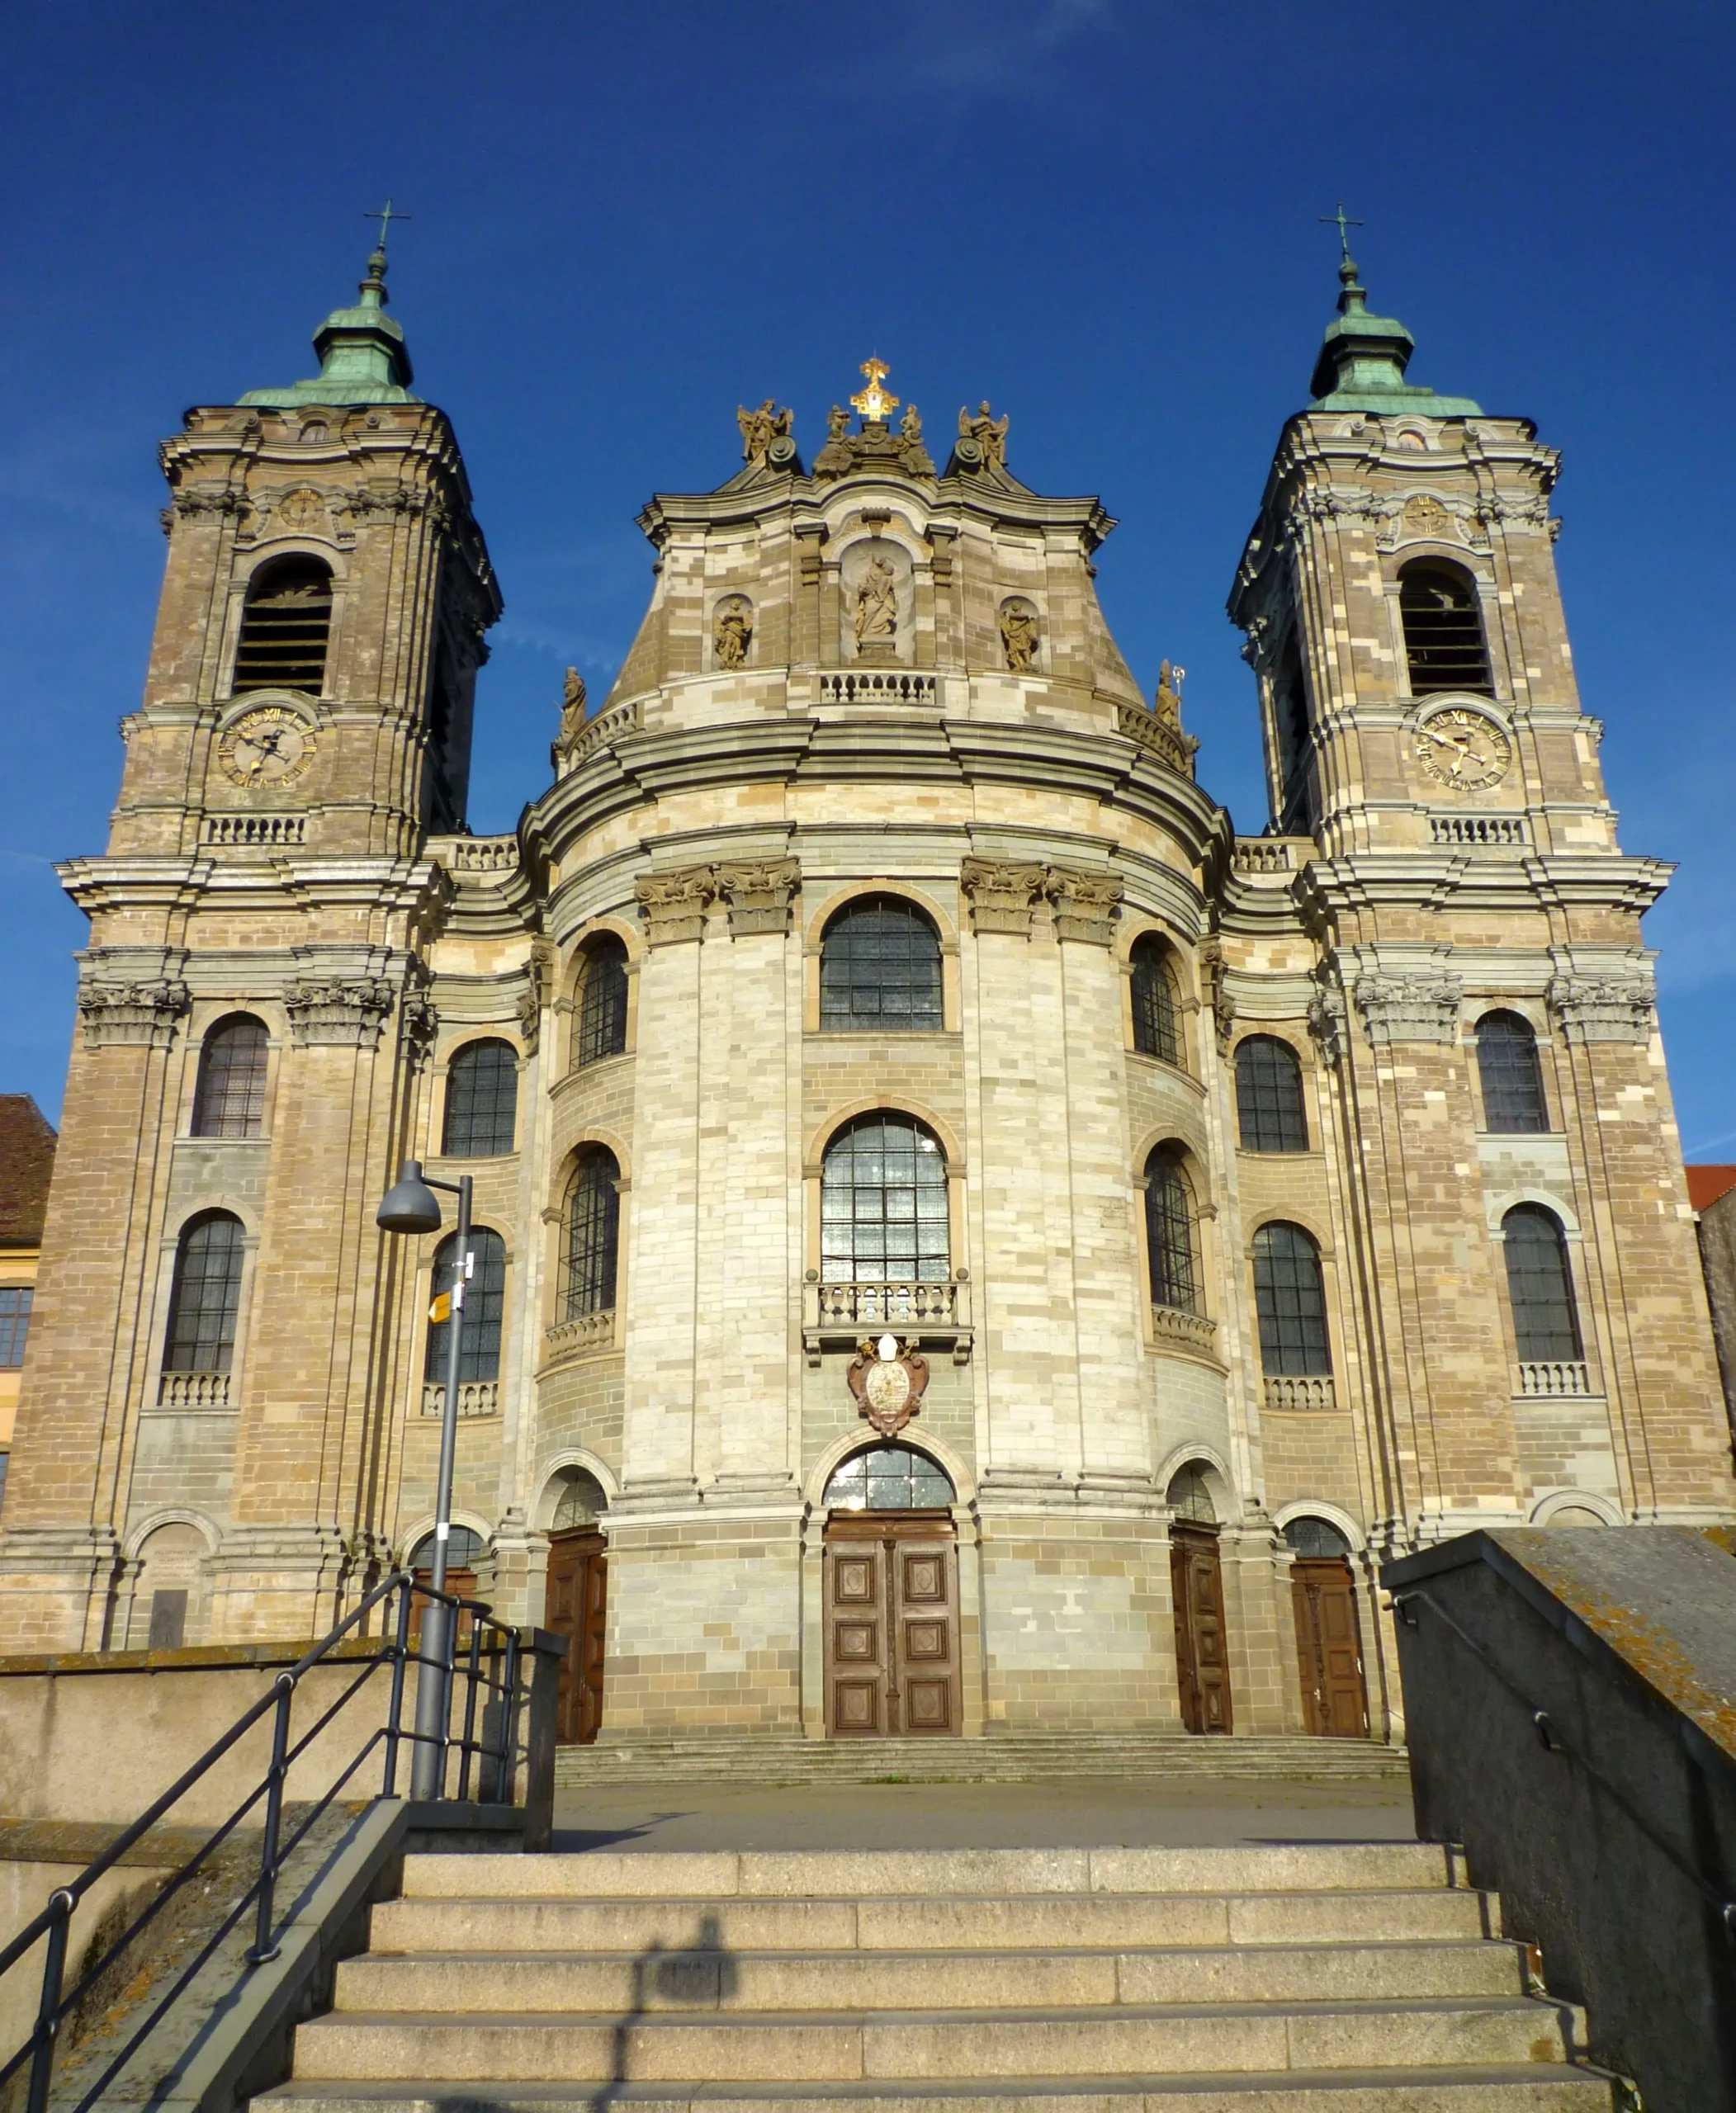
<point x="1018" y="634"/>
<point x="989" y="432"/>
<point x="760" y="428"/>
<point x="732" y="632"/>
<point x="877" y="604"/>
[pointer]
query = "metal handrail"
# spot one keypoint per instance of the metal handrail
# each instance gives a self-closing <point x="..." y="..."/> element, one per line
<point x="1544" y="1726"/>
<point x="54" y="1922"/>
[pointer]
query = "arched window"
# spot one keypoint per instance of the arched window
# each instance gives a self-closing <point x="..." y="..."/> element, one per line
<point x="1270" y="1112"/>
<point x="1169" y="1231"/>
<point x="584" y="1502"/>
<point x="285" y="626"/>
<point x="485" y="1309"/>
<point x="590" y="1248"/>
<point x="882" y="1204"/>
<point x="1443" y="631"/>
<point x="1312" y="1538"/>
<point x="1510" y="1075"/>
<point x="481" y="1101"/>
<point x="602" y="1029"/>
<point x="880" y="967"/>
<point x="206" y="1295"/>
<point x="229" y="1099"/>
<point x="1156" y="1032"/>
<point x="464" y="1550"/>
<point x="1188" y="1496"/>
<point x="1290" y="1297"/>
<point x="1539" y="1286"/>
<point x="888" y="1478"/>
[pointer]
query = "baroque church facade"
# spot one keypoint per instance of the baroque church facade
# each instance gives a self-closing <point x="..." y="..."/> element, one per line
<point x="965" y="1242"/>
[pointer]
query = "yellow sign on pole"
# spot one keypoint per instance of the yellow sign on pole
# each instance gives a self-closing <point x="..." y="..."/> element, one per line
<point x="442" y="1308"/>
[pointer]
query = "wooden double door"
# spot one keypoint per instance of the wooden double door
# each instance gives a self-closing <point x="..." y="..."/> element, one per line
<point x="891" y="1625"/>
<point x="577" y="1608"/>
<point x="1335" y="1702"/>
<point x="1202" y="1661"/>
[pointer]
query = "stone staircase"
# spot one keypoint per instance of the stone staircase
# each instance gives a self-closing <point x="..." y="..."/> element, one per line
<point x="1000" y="1757"/>
<point x="1302" y="1979"/>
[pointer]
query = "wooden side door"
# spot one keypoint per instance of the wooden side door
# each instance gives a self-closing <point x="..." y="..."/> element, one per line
<point x="577" y="1608"/>
<point x="1202" y="1662"/>
<point x="1335" y="1698"/>
<point x="859" y="1675"/>
<point x="926" y="1694"/>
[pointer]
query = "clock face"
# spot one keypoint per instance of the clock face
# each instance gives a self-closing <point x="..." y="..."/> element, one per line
<point x="269" y="745"/>
<point x="1463" y="751"/>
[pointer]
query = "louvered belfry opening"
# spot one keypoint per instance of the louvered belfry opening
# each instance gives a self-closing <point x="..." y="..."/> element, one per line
<point x="285" y="627"/>
<point x="1443" y="632"/>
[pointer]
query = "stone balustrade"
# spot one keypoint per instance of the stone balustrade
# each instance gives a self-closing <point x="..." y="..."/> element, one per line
<point x="1190" y="1331"/>
<point x="1311" y="1391"/>
<point x="476" y="1398"/>
<point x="193" y="1390"/>
<point x="1550" y="1378"/>
<point x="1481" y="832"/>
<point x="265" y="831"/>
<point x="584" y="1334"/>
<point x="839" y="1316"/>
<point x="879" y="686"/>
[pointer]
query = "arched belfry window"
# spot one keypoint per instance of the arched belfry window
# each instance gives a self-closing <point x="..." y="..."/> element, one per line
<point x="484" y="1310"/>
<point x="602" y="1027"/>
<point x="880" y="968"/>
<point x="1539" y="1286"/>
<point x="206" y="1295"/>
<point x="285" y="626"/>
<point x="1510" y="1075"/>
<point x="1156" y="1026"/>
<point x="888" y="1478"/>
<point x="882" y="1204"/>
<point x="1169" y="1229"/>
<point x="481" y="1101"/>
<point x="1270" y="1114"/>
<point x="229" y="1099"/>
<point x="1289" y="1298"/>
<point x="1443" y="643"/>
<point x="590" y="1236"/>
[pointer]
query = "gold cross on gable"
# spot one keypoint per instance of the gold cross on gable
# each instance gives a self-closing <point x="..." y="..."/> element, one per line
<point x="874" y="402"/>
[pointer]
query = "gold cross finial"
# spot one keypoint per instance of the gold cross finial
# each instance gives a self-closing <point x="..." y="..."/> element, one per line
<point x="874" y="402"/>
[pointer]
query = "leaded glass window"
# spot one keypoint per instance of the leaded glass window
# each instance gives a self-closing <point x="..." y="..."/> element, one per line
<point x="883" y="1205"/>
<point x="1290" y="1297"/>
<point x="590" y="1248"/>
<point x="484" y="1310"/>
<point x="1311" y="1536"/>
<point x="1169" y="1228"/>
<point x="1270" y="1112"/>
<point x="1539" y="1286"/>
<point x="481" y="1101"/>
<point x="1510" y="1077"/>
<point x="880" y="967"/>
<point x="206" y="1296"/>
<point x="15" y="1324"/>
<point x="464" y="1550"/>
<point x="1443" y="631"/>
<point x="286" y="626"/>
<point x="1189" y="1497"/>
<point x="1157" y="1032"/>
<point x="229" y="1099"/>
<point x="888" y="1478"/>
<point x="602" y="1029"/>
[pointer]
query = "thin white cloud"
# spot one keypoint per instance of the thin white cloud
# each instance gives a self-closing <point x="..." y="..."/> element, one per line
<point x="990" y="46"/>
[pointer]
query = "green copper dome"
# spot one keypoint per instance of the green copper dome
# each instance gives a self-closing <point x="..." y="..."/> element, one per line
<point x="362" y="355"/>
<point x="1363" y="359"/>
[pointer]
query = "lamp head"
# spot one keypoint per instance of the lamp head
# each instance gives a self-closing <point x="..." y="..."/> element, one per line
<point x="410" y="1205"/>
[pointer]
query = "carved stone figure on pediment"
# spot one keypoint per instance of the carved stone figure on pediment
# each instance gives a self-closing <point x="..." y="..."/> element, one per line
<point x="732" y="632"/>
<point x="572" y="704"/>
<point x="673" y="904"/>
<point x="1002" y="894"/>
<point x="988" y="432"/>
<point x="915" y="457"/>
<point x="838" y="457"/>
<point x="1018" y="633"/>
<point x="760" y="427"/>
<point x="1167" y="702"/>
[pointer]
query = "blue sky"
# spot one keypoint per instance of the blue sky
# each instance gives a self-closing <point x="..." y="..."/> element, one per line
<point x="1100" y="214"/>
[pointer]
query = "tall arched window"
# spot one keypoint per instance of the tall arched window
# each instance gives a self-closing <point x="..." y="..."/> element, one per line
<point x="880" y="967"/>
<point x="1443" y="643"/>
<point x="485" y="1309"/>
<point x="1270" y="1112"/>
<point x="591" y="1247"/>
<point x="1155" y="1030"/>
<point x="1510" y="1077"/>
<point x="882" y="1204"/>
<point x="1539" y="1286"/>
<point x="229" y="1099"/>
<point x="1169" y="1231"/>
<point x="602" y="1028"/>
<point x="1290" y="1297"/>
<point x="206" y="1295"/>
<point x="285" y="626"/>
<point x="481" y="1101"/>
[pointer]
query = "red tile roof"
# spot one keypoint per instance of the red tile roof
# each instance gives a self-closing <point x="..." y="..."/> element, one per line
<point x="27" y="1161"/>
<point x="1707" y="1183"/>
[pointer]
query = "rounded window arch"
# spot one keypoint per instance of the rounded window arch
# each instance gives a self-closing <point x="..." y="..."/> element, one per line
<point x="229" y="1099"/>
<point x="583" y="1502"/>
<point x="465" y="1548"/>
<point x="883" y="1204"/>
<point x="890" y="1478"/>
<point x="1511" y="1075"/>
<point x="1315" y="1538"/>
<point x="1190" y="1496"/>
<point x="1271" y="1115"/>
<point x="205" y="1297"/>
<point x="481" y="1101"/>
<point x="1156" y="1015"/>
<point x="1444" y="644"/>
<point x="880" y="968"/>
<point x="590" y="1236"/>
<point x="285" y="627"/>
<point x="1170" y="1246"/>
<point x="600" y="1029"/>
<point x="484" y="1310"/>
<point x="1289" y="1298"/>
<point x="1540" y="1286"/>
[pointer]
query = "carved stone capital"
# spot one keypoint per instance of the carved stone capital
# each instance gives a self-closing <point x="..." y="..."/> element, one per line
<point x="758" y="894"/>
<point x="1329" y="1022"/>
<point x="1086" y="904"/>
<point x="1615" y="1008"/>
<point x="344" y="1011"/>
<point x="673" y="904"/>
<point x="1423" y="1007"/>
<point x="1002" y="894"/>
<point x="538" y="991"/>
<point x="143" y="1014"/>
<point x="1215" y="977"/>
<point x="419" y="1022"/>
